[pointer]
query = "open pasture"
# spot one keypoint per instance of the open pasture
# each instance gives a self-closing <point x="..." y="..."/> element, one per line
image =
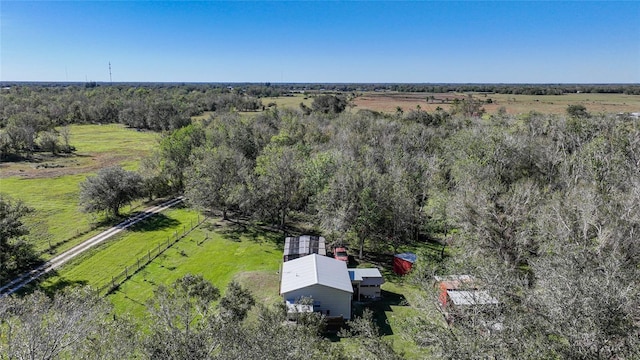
<point x="292" y="101"/>
<point x="220" y="252"/>
<point x="50" y="184"/>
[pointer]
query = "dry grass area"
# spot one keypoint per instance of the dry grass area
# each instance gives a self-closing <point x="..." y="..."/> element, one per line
<point x="43" y="166"/>
<point x="264" y="285"/>
<point x="388" y="102"/>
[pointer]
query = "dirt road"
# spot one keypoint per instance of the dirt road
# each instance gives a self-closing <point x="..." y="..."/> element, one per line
<point x="66" y="256"/>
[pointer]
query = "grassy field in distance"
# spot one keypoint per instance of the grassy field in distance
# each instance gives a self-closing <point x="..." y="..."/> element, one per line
<point x="288" y="101"/>
<point x="388" y="102"/>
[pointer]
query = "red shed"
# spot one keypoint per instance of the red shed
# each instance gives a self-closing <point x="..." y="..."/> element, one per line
<point x="402" y="263"/>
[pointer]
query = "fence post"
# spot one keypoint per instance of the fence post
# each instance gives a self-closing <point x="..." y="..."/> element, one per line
<point x="138" y="263"/>
<point x="184" y="229"/>
<point x="113" y="283"/>
<point x="126" y="272"/>
<point x="149" y="253"/>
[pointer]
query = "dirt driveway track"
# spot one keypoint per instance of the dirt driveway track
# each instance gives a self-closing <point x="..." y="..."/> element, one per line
<point x="66" y="256"/>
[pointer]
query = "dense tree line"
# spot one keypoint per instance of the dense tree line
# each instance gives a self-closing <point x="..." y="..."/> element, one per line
<point x="516" y="89"/>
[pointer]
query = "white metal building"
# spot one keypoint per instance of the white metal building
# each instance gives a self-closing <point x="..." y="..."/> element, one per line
<point x="323" y="279"/>
<point x="366" y="283"/>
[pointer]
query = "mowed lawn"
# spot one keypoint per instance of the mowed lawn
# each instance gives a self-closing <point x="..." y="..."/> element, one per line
<point x="253" y="260"/>
<point x="220" y="253"/>
<point x="96" y="267"/>
<point x="51" y="185"/>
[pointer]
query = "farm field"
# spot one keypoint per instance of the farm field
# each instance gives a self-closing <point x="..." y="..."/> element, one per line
<point x="388" y="102"/>
<point x="50" y="185"/>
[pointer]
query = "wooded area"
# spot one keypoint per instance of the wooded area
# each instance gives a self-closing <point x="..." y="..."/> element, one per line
<point x="543" y="209"/>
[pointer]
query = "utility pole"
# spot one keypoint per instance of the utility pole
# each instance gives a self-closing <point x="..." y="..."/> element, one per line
<point x="110" y="79"/>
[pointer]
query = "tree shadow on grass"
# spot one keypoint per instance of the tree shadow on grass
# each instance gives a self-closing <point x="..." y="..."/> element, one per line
<point x="237" y="230"/>
<point x="50" y="289"/>
<point x="155" y="222"/>
<point x="380" y="308"/>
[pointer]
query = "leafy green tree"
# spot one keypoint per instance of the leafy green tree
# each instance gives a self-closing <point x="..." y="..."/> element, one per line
<point x="236" y="303"/>
<point x="16" y="254"/>
<point x="182" y="320"/>
<point x="467" y="107"/>
<point x="329" y="104"/>
<point x="278" y="185"/>
<point x="272" y="337"/>
<point x="217" y="179"/>
<point x="577" y="111"/>
<point x="175" y="152"/>
<point x="109" y="190"/>
<point x="351" y="206"/>
<point x="155" y="182"/>
<point x="367" y="332"/>
<point x="48" y="140"/>
<point x="64" y="326"/>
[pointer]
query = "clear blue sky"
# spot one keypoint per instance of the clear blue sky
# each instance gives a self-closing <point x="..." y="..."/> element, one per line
<point x="316" y="41"/>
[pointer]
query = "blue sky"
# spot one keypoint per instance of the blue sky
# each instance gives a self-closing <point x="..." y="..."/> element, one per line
<point x="317" y="41"/>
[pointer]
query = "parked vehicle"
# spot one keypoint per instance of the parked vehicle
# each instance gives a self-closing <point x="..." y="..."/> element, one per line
<point x="340" y="253"/>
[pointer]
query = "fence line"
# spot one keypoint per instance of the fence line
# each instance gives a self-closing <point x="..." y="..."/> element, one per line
<point x="143" y="261"/>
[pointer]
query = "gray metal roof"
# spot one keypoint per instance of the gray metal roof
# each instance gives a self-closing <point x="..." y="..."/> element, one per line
<point x="359" y="274"/>
<point x="474" y="297"/>
<point x="304" y="245"/>
<point x="314" y="269"/>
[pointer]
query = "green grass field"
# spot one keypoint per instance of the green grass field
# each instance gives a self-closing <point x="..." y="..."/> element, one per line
<point x="219" y="260"/>
<point x="50" y="185"/>
<point x="220" y="254"/>
<point x="288" y="101"/>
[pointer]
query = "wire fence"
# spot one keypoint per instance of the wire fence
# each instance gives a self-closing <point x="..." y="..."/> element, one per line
<point x="141" y="262"/>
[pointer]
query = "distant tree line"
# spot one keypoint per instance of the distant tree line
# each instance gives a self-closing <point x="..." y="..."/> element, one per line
<point x="516" y="89"/>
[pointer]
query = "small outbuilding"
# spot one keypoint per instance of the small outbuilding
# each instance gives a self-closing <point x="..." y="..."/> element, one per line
<point x="366" y="284"/>
<point x="299" y="246"/>
<point x="453" y="282"/>
<point x="319" y="282"/>
<point x="402" y="263"/>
